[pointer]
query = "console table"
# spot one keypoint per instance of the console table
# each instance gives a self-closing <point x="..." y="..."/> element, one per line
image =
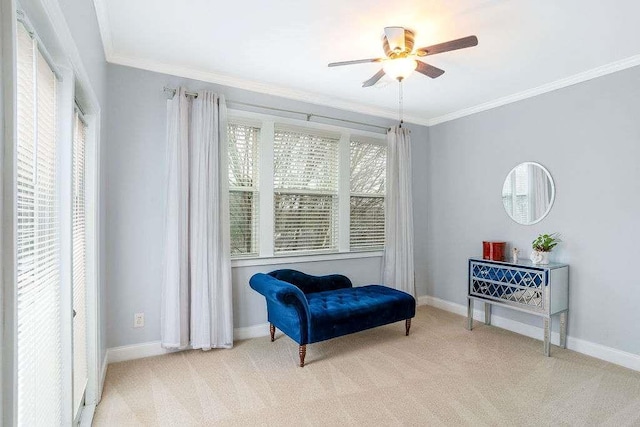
<point x="542" y="290"/>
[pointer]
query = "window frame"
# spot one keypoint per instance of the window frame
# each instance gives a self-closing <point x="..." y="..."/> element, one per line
<point x="266" y="219"/>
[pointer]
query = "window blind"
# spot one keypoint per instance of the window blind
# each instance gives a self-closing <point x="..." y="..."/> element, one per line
<point x="39" y="359"/>
<point x="79" y="259"/>
<point x="305" y="191"/>
<point x="243" y="188"/>
<point x="368" y="164"/>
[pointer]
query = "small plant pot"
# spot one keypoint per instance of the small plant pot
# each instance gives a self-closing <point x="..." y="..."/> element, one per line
<point x="545" y="258"/>
<point x="539" y="257"/>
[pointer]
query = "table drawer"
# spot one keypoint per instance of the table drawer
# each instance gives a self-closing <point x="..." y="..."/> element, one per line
<point x="511" y="275"/>
<point x="530" y="297"/>
<point x="513" y="286"/>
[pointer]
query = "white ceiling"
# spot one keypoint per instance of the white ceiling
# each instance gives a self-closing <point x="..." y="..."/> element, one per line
<point x="526" y="47"/>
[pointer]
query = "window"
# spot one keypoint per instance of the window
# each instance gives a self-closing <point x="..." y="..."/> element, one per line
<point x="39" y="358"/>
<point x="321" y="188"/>
<point x="243" y="188"/>
<point x="368" y="163"/>
<point x="305" y="191"/>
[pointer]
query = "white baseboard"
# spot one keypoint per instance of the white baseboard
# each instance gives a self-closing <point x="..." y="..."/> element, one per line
<point x="154" y="348"/>
<point x="136" y="351"/>
<point x="255" y="331"/>
<point x="608" y="354"/>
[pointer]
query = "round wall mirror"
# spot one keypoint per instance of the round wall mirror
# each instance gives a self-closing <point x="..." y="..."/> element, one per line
<point x="528" y="193"/>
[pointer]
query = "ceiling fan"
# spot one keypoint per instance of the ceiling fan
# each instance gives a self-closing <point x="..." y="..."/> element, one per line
<point x="401" y="61"/>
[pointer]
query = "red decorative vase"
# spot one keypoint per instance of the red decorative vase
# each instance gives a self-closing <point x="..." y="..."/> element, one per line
<point x="493" y="251"/>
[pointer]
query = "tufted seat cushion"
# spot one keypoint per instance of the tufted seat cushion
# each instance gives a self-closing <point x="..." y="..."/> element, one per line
<point x="344" y="311"/>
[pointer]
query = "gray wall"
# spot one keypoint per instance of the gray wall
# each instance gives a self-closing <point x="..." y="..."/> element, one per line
<point x="135" y="171"/>
<point x="588" y="136"/>
<point x="83" y="24"/>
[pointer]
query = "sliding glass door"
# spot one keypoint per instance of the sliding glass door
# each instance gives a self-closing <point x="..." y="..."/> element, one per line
<point x="51" y="242"/>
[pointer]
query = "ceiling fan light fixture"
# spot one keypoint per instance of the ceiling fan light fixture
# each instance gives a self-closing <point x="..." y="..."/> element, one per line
<point x="399" y="68"/>
<point x="400" y="58"/>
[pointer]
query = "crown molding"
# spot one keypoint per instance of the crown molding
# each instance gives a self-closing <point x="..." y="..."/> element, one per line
<point x="260" y="87"/>
<point x="603" y="70"/>
<point x="314" y="98"/>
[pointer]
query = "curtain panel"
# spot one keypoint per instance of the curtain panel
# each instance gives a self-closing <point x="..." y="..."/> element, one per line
<point x="398" y="266"/>
<point x="196" y="289"/>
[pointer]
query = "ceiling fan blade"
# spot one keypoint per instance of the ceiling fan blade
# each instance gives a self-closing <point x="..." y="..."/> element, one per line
<point x="395" y="38"/>
<point x="373" y="80"/>
<point x="355" y="61"/>
<point x="429" y="70"/>
<point x="462" y="43"/>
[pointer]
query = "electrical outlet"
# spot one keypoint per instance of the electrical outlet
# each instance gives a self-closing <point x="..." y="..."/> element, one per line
<point x="138" y="320"/>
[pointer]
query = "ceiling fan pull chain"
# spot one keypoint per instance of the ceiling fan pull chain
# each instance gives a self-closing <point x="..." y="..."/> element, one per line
<point x="401" y="106"/>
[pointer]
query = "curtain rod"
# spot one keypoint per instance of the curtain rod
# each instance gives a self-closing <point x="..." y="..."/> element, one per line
<point x="308" y="115"/>
<point x="22" y="18"/>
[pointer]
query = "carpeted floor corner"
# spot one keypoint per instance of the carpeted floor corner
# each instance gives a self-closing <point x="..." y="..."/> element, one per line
<point x="441" y="374"/>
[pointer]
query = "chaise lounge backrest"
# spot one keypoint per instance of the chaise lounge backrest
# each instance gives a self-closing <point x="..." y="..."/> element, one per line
<point x="309" y="284"/>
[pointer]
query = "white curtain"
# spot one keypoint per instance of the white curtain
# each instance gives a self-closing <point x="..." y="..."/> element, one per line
<point x="174" y="316"/>
<point x="196" y="291"/>
<point x="398" y="268"/>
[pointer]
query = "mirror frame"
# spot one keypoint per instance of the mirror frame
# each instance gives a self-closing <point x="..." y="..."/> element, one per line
<point x="553" y="192"/>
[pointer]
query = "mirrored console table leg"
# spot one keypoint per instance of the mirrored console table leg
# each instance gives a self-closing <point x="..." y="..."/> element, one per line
<point x="487" y="313"/>
<point x="563" y="329"/>
<point x="547" y="336"/>
<point x="469" y="313"/>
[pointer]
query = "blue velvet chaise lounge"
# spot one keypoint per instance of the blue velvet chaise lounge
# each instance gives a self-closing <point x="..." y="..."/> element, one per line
<point x="310" y="309"/>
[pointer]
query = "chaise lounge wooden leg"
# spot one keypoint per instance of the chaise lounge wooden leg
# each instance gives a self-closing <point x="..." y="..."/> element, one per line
<point x="303" y="353"/>
<point x="272" y="329"/>
<point x="407" y="326"/>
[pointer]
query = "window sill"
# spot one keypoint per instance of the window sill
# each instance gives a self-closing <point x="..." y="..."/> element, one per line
<point x="294" y="259"/>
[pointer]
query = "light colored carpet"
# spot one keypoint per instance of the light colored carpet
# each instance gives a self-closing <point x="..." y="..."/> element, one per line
<point x="441" y="374"/>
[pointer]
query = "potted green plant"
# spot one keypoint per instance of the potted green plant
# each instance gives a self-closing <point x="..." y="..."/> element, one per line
<point x="542" y="245"/>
